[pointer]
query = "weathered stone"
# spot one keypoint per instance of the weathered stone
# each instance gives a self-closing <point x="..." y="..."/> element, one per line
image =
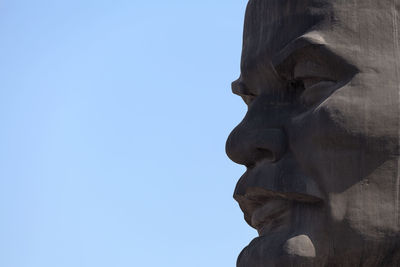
<point x="320" y="140"/>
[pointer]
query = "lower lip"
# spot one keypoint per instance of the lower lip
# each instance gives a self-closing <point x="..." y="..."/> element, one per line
<point x="273" y="216"/>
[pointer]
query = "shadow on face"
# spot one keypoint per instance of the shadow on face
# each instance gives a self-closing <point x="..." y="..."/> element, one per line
<point x="321" y="135"/>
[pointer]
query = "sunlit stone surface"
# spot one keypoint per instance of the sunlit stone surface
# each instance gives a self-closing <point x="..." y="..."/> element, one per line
<point x="320" y="139"/>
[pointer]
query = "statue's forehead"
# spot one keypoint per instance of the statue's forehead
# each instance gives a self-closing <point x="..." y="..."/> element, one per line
<point x="347" y="26"/>
<point x="271" y="24"/>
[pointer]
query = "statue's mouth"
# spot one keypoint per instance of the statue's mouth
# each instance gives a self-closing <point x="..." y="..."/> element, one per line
<point x="269" y="211"/>
<point x="267" y="193"/>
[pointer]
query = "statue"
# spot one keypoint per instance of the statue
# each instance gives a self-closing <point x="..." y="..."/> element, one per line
<point x="320" y="140"/>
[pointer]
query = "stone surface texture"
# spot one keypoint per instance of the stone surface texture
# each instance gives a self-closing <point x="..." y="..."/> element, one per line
<point x="320" y="140"/>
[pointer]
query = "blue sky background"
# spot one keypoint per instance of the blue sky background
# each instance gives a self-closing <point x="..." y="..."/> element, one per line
<point x="114" y="116"/>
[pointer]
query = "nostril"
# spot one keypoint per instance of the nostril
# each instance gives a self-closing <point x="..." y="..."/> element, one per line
<point x="265" y="154"/>
<point x="272" y="143"/>
<point x="247" y="146"/>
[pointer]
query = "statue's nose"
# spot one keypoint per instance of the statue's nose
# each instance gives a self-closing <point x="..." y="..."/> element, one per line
<point x="247" y="146"/>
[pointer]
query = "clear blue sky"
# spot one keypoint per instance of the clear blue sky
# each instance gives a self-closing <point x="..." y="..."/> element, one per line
<point x="114" y="116"/>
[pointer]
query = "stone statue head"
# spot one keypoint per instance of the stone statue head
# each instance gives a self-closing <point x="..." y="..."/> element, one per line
<point x="320" y="139"/>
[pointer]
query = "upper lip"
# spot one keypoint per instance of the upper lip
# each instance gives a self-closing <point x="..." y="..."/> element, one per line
<point x="255" y="198"/>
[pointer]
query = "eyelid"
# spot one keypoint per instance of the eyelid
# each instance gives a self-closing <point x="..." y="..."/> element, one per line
<point x="310" y="69"/>
<point x="310" y="39"/>
<point x="311" y="81"/>
<point x="317" y="92"/>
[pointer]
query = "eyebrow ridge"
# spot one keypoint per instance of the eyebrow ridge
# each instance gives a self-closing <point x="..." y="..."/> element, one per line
<point x="239" y="88"/>
<point x="309" y="39"/>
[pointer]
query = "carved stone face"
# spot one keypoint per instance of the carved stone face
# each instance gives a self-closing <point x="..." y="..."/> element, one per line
<point x="320" y="139"/>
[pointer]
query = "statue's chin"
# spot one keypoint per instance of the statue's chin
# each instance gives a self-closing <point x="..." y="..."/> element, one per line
<point x="278" y="250"/>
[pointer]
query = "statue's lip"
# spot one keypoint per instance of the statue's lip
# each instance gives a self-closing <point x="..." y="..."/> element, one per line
<point x="258" y="194"/>
<point x="255" y="199"/>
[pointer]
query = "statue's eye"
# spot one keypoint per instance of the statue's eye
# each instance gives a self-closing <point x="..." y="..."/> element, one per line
<point x="296" y="88"/>
<point x="316" y="90"/>
<point x="318" y="81"/>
